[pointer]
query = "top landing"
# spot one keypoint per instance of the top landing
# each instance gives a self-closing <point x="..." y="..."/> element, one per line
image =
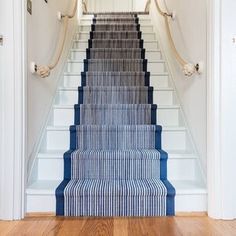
<point x="117" y="13"/>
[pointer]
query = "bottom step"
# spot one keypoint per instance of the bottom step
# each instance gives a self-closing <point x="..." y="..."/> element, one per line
<point x="115" y="198"/>
<point x="191" y="196"/>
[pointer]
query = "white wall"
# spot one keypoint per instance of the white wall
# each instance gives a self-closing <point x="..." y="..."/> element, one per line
<point x="115" y="5"/>
<point x="190" y="36"/>
<point x="43" y="33"/>
<point x="221" y="110"/>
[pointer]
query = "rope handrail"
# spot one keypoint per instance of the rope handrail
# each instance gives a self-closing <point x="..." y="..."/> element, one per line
<point x="147" y="6"/>
<point x="84" y="4"/>
<point x="44" y="70"/>
<point x="188" y="68"/>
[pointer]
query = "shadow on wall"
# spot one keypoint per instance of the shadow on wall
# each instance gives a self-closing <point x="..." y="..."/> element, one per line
<point x="43" y="31"/>
<point x="189" y="31"/>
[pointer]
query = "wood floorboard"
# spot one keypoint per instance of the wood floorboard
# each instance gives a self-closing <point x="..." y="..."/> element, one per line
<point x="169" y="226"/>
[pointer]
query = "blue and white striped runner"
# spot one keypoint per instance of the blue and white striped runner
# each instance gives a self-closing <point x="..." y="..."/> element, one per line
<point x="117" y="78"/>
<point x="115" y="169"/>
<point x="114" y="114"/>
<point x="115" y="95"/>
<point x="115" y="65"/>
<point x="115" y="53"/>
<point x="115" y="43"/>
<point x="115" y="137"/>
<point x="115" y="35"/>
<point x="116" y="27"/>
<point x="110" y="198"/>
<point x="115" y="164"/>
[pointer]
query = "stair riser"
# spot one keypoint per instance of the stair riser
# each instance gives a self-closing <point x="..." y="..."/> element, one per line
<point x="70" y="97"/>
<point x="165" y="117"/>
<point x="115" y="138"/>
<point x="156" y="81"/>
<point x="39" y="203"/>
<point x="191" y="203"/>
<point x="80" y="56"/>
<point x="134" y="169"/>
<point x="143" y="28"/>
<point x="153" y="67"/>
<point x="175" y="168"/>
<point x="83" y="45"/>
<point x="90" y="21"/>
<point x="183" y="203"/>
<point x="59" y="140"/>
<point x="86" y="36"/>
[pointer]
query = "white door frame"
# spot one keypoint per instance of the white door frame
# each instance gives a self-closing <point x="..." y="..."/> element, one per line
<point x="213" y="109"/>
<point x="13" y="110"/>
<point x="221" y="112"/>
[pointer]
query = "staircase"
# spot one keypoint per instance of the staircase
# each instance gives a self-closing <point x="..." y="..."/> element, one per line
<point x="115" y="121"/>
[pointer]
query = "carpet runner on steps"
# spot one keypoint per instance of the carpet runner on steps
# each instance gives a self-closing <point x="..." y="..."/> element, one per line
<point x="115" y="35"/>
<point x="115" y="79"/>
<point x="115" y="165"/>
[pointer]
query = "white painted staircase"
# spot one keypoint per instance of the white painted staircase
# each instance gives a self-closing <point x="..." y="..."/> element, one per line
<point x="184" y="171"/>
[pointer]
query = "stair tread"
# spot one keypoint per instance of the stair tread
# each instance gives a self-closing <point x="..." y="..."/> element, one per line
<point x="86" y="32"/>
<point x="86" y="41"/>
<point x="66" y="88"/>
<point x="158" y="107"/>
<point x="118" y="13"/>
<point x="79" y="73"/>
<point x="181" y="186"/>
<point x="172" y="154"/>
<point x="189" y="187"/>
<point x="82" y="61"/>
<point x="142" y="24"/>
<point x="81" y="50"/>
<point x="133" y="187"/>
<point x="164" y="128"/>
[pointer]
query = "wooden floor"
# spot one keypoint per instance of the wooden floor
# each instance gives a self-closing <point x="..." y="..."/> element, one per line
<point x="199" y="226"/>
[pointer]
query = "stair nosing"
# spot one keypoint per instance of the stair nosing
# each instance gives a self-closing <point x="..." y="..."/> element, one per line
<point x="59" y="155"/>
<point x="194" y="191"/>
<point x="86" y="40"/>
<point x="81" y="50"/>
<point x="163" y="107"/>
<point x="67" y="128"/>
<point x="149" y="61"/>
<point x="141" y="24"/>
<point x="79" y="73"/>
<point x="86" y="32"/>
<point x="64" y="88"/>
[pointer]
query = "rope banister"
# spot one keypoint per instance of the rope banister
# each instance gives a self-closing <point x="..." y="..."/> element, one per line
<point x="84" y="4"/>
<point x="188" y="68"/>
<point x="147" y="6"/>
<point x="44" y="70"/>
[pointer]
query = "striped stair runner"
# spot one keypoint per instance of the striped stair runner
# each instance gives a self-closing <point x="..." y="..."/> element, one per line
<point x="115" y="165"/>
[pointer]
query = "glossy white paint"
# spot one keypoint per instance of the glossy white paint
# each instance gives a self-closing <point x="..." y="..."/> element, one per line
<point x="221" y="111"/>
<point x="13" y="110"/>
<point x="183" y="162"/>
